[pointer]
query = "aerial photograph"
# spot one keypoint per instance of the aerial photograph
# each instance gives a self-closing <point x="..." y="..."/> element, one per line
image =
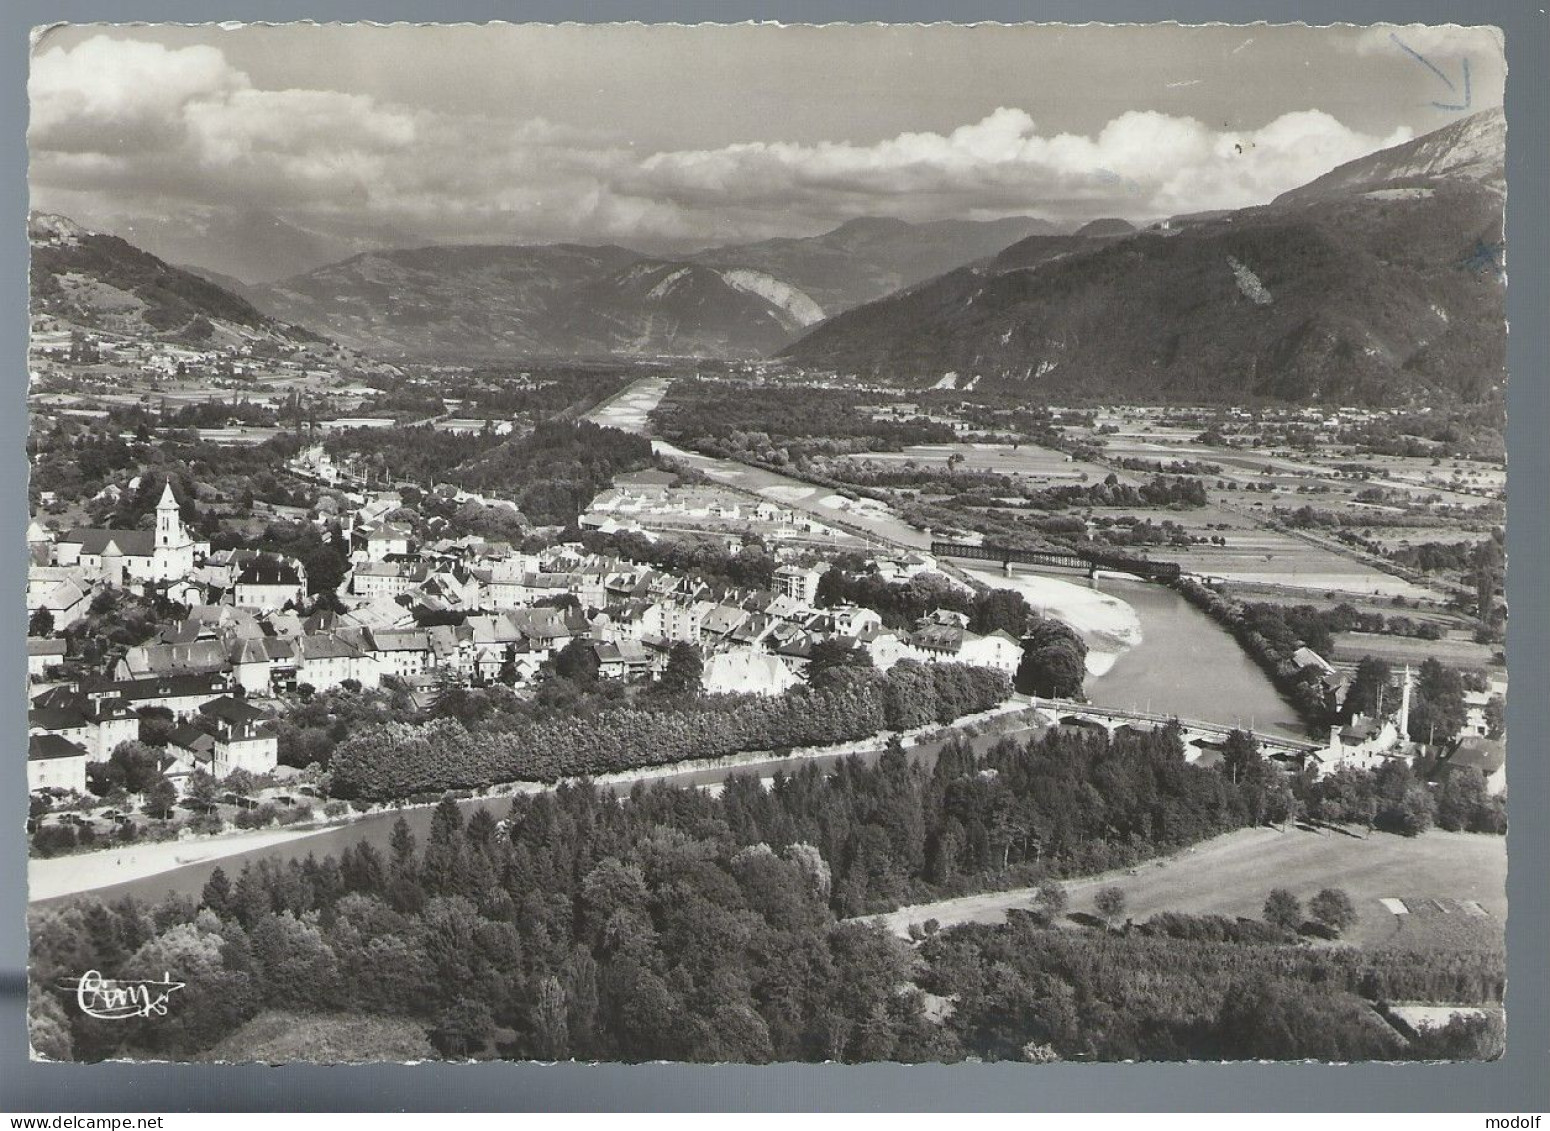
<point x="758" y="543"/>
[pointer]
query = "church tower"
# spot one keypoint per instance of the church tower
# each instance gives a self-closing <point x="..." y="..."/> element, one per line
<point x="1404" y="708"/>
<point x="169" y="524"/>
<point x="173" y="555"/>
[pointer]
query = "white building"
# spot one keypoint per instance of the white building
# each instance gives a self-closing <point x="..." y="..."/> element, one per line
<point x="55" y="763"/>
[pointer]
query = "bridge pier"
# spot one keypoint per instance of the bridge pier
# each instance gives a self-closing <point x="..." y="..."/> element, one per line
<point x="1006" y="568"/>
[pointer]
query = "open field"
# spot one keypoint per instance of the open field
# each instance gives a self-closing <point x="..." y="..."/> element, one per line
<point x="1028" y="461"/>
<point x="1232" y="874"/>
<point x="1352" y="646"/>
<point x="1271" y="557"/>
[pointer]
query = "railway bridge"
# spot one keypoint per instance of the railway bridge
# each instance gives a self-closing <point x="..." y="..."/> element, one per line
<point x="1089" y="561"/>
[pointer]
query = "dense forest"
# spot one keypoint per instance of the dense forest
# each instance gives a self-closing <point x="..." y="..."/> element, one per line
<point x="673" y="924"/>
<point x="769" y="425"/>
<point x="551" y="472"/>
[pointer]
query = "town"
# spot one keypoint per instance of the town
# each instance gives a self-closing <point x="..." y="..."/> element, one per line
<point x="227" y="644"/>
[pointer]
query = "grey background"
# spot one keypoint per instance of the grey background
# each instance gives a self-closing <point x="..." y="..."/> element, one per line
<point x="1520" y="1082"/>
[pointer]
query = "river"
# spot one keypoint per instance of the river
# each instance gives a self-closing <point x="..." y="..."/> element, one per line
<point x="1148" y="647"/>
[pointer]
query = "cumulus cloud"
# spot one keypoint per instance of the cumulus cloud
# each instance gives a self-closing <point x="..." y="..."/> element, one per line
<point x="161" y="129"/>
<point x="1141" y="163"/>
<point x="105" y="92"/>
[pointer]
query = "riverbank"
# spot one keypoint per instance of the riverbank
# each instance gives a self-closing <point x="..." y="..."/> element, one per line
<point x="58" y="876"/>
<point x="54" y="876"/>
<point x="1108" y="625"/>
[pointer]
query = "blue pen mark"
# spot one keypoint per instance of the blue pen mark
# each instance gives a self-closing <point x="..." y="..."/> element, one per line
<point x="1430" y="66"/>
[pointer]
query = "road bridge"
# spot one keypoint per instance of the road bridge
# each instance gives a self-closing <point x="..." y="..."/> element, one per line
<point x="1112" y="718"/>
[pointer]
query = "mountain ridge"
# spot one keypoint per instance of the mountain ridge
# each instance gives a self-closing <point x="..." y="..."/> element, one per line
<point x="98" y="281"/>
<point x="582" y="300"/>
<point x="1369" y="284"/>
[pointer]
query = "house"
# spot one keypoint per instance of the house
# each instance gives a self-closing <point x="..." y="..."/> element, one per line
<point x="55" y="763"/>
<point x="324" y="660"/>
<point x="402" y="652"/>
<point x="261" y="665"/>
<point x="181" y="694"/>
<point x="147" y="660"/>
<point x="648" y="484"/>
<point x="1306" y="658"/>
<point x="64" y="591"/>
<point x="42" y="654"/>
<point x="798" y="583"/>
<point x="452" y="649"/>
<point x="743" y="670"/>
<point x="97" y="724"/>
<point x="376" y="579"/>
<point x="1363" y="744"/>
<point x="380" y="542"/>
<point x="244" y="737"/>
<point x="191" y="749"/>
<point x="627" y="659"/>
<point x="674" y="621"/>
<point x="1475" y="713"/>
<point x="723" y="620"/>
<point x="1080" y="725"/>
<point x="998" y="650"/>
<point x="270" y="582"/>
<point x="66" y="722"/>
<point x="1488" y="755"/>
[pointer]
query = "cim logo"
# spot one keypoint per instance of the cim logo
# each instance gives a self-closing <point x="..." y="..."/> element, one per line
<point x="119" y="999"/>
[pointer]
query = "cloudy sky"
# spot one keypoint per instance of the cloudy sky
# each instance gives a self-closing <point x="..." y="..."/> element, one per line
<point x="668" y="138"/>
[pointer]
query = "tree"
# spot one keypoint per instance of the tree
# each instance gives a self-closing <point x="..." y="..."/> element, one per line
<point x="1054" y="661"/>
<point x="828" y="659"/>
<point x="161" y="799"/>
<point x="217" y="893"/>
<point x="1051" y="900"/>
<point x="577" y="661"/>
<point x="240" y="782"/>
<point x="1333" y="908"/>
<point x="202" y="788"/>
<point x="1003" y="609"/>
<point x="1369" y="689"/>
<point x="133" y="767"/>
<point x="464" y="1028"/>
<point x="1240" y="754"/>
<point x="1437" y="710"/>
<point x="685" y="671"/>
<point x="1283" y="910"/>
<point x="1460" y="798"/>
<point x="1110" y="904"/>
<point x="1495" y="716"/>
<point x="41" y="623"/>
<point x="551" y="1021"/>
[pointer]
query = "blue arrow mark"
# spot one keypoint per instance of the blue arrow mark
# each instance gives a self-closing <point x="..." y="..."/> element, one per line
<point x="1430" y="66"/>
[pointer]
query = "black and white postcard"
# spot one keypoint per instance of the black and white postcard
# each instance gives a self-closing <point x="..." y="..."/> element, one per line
<point x="755" y="543"/>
